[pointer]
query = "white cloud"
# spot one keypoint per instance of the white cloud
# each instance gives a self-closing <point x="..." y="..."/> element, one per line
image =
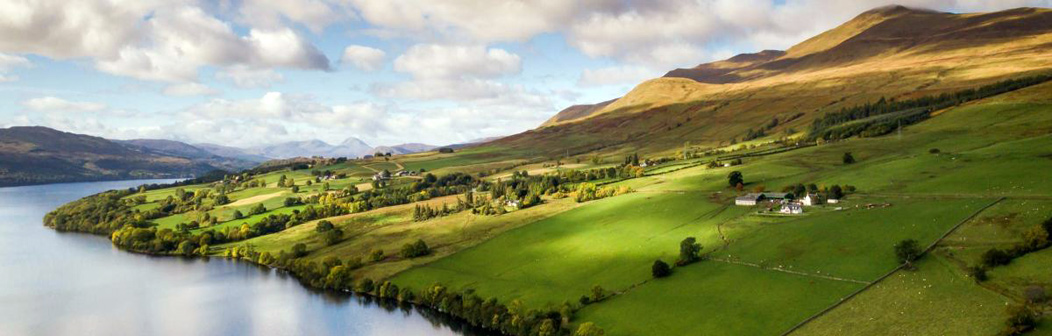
<point x="189" y="89"/>
<point x="150" y="40"/>
<point x="363" y="58"/>
<point x="55" y="104"/>
<point x="245" y="77"/>
<point x="472" y="20"/>
<point x="455" y="61"/>
<point x="314" y="14"/>
<point x="7" y="62"/>
<point x="615" y="75"/>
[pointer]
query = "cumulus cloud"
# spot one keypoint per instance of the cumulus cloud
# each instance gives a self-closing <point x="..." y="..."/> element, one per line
<point x="363" y="58"/>
<point x="189" y="89"/>
<point x="55" y="104"/>
<point x="8" y="62"/>
<point x="314" y="14"/>
<point x="150" y="40"/>
<point x="457" y="61"/>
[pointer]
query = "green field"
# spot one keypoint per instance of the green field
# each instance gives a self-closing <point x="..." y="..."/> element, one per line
<point x="764" y="273"/>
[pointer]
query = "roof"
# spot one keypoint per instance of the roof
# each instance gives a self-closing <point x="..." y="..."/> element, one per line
<point x="750" y="197"/>
<point x="774" y="195"/>
<point x="792" y="206"/>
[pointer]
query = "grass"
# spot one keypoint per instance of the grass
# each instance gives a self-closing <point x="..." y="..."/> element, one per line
<point x="854" y="243"/>
<point x="716" y="298"/>
<point x="611" y="242"/>
<point x="936" y="299"/>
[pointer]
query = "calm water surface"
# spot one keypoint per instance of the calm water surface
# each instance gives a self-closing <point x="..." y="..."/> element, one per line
<point x="54" y="283"/>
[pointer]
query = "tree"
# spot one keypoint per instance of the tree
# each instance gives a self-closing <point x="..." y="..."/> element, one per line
<point x="588" y="329"/>
<point x="299" y="250"/>
<point x="848" y="159"/>
<point x="238" y="214"/>
<point x="688" y="251"/>
<point x="835" y="192"/>
<point x="417" y="249"/>
<point x="660" y="269"/>
<point x="1021" y="319"/>
<point x="597" y="293"/>
<point x="907" y="251"/>
<point x="323" y="226"/>
<point x="376" y="255"/>
<point x="735" y="178"/>
<point x="996" y="257"/>
<point x="332" y="237"/>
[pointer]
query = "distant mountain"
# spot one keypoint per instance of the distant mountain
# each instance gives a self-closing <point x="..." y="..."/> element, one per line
<point x="231" y="152"/>
<point x="351" y="147"/>
<point x="183" y="150"/>
<point x="35" y="155"/>
<point x="408" y="148"/>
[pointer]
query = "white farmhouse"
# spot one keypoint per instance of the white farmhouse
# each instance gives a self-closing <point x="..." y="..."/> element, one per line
<point x="792" y="208"/>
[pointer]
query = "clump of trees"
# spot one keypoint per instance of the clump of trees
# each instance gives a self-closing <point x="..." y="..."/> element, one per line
<point x="689" y="251"/>
<point x="416" y="249"/>
<point x="1035" y="239"/>
<point x="330" y="234"/>
<point x="589" y="192"/>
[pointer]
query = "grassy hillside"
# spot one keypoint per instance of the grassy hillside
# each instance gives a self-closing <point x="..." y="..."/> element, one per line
<point x="564" y="224"/>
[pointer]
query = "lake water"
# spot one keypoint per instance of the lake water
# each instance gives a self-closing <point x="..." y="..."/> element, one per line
<point x="54" y="283"/>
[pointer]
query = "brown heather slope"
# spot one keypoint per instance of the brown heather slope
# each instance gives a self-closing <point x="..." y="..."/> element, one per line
<point x="576" y="112"/>
<point x="893" y="52"/>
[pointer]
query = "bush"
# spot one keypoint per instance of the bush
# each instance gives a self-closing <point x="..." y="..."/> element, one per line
<point x="376" y="255"/>
<point x="1021" y="319"/>
<point x="1035" y="294"/>
<point x="417" y="249"/>
<point x="978" y="273"/>
<point x="996" y="257"/>
<point x="660" y="269"/>
<point x="934" y="151"/>
<point x="848" y="159"/>
<point x="688" y="251"/>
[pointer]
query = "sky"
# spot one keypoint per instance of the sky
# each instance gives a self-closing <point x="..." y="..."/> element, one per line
<point x="257" y="72"/>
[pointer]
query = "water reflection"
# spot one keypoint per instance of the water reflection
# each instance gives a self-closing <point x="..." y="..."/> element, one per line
<point x="54" y="283"/>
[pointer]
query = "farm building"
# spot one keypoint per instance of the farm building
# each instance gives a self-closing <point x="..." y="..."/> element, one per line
<point x="811" y="199"/>
<point x="749" y="199"/>
<point x="792" y="208"/>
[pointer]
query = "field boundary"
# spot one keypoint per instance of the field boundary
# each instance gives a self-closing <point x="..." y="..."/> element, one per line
<point x="893" y="271"/>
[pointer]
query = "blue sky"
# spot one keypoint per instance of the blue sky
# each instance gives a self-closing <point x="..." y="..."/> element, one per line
<point x="249" y="73"/>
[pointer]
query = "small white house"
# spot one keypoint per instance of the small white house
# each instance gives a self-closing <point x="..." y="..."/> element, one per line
<point x="832" y="201"/>
<point x="513" y="203"/>
<point x="792" y="209"/>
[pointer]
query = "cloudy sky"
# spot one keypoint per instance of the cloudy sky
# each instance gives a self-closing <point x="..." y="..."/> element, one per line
<point x="254" y="72"/>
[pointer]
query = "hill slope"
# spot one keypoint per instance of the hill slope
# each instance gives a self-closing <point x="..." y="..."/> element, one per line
<point x="33" y="155"/>
<point x="892" y="52"/>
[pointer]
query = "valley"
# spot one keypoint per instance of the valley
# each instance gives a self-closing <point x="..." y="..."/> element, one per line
<point x="940" y="224"/>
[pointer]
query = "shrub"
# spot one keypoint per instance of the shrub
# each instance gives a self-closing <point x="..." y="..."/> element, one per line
<point x="417" y="249"/>
<point x="934" y="151"/>
<point x="978" y="273"/>
<point x="376" y="255"/>
<point x="848" y="159"/>
<point x="996" y="257"/>
<point x="1021" y="319"/>
<point x="1035" y="294"/>
<point x="660" y="269"/>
